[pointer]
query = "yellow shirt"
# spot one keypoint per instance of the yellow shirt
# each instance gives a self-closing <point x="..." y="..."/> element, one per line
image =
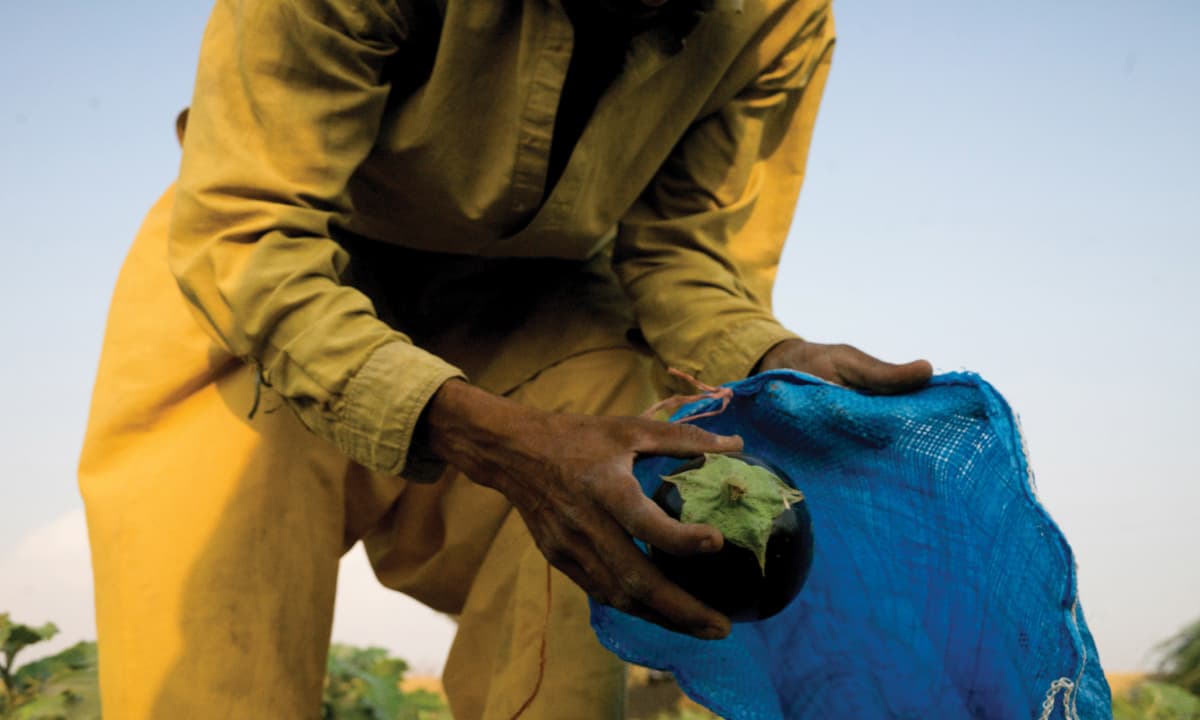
<point x="429" y="125"/>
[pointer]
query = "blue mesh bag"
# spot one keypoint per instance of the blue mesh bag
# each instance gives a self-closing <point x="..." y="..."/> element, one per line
<point x="940" y="588"/>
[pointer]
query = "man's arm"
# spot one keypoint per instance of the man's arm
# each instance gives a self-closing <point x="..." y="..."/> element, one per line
<point x="288" y="102"/>
<point x="699" y="250"/>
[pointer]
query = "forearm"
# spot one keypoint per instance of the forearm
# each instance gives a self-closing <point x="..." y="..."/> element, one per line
<point x="290" y="95"/>
<point x="698" y="252"/>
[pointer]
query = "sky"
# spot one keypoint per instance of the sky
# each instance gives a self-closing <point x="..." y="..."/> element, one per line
<point x="1009" y="188"/>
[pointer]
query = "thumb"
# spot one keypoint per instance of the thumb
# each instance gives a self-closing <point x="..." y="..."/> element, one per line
<point x="865" y="372"/>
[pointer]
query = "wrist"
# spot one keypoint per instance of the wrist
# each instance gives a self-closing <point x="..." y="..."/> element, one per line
<point x="775" y="356"/>
<point x="470" y="428"/>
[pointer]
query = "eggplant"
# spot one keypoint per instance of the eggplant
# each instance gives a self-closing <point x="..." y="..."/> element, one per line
<point x="732" y="580"/>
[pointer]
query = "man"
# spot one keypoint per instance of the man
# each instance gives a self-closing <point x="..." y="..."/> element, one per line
<point x="428" y="253"/>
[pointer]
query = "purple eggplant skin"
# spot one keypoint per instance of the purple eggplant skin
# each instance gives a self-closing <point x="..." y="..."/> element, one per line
<point x="730" y="580"/>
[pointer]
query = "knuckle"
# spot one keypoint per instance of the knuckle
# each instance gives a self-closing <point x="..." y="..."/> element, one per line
<point x="694" y="433"/>
<point x="640" y="520"/>
<point x="622" y="602"/>
<point x="636" y="518"/>
<point x="633" y="584"/>
<point x="571" y="517"/>
<point x="638" y="434"/>
<point x="627" y="494"/>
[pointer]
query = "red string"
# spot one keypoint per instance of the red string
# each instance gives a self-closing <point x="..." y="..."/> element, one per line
<point x="541" y="653"/>
<point x="708" y="392"/>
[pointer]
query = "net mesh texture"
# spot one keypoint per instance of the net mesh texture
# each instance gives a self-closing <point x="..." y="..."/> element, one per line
<point x="940" y="587"/>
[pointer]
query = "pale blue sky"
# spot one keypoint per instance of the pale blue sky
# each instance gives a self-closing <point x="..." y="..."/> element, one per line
<point x="1011" y="188"/>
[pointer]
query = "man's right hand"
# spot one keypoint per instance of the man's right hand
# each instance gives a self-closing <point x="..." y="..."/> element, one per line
<point x="571" y="478"/>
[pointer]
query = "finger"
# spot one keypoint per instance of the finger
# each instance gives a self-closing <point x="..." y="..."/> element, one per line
<point x="633" y="586"/>
<point x="683" y="440"/>
<point x="711" y="632"/>
<point x="643" y="591"/>
<point x="644" y="519"/>
<point x="865" y="372"/>
<point x="607" y="565"/>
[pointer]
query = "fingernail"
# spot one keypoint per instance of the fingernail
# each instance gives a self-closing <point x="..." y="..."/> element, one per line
<point x="715" y="632"/>
<point x="709" y="544"/>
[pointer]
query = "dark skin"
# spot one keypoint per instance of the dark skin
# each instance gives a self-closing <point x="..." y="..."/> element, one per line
<point x="571" y="478"/>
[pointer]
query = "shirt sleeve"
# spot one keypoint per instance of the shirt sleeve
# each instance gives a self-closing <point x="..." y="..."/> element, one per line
<point x="697" y="253"/>
<point x="288" y="103"/>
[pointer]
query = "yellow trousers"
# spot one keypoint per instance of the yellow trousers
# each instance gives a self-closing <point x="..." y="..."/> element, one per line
<point x="216" y="536"/>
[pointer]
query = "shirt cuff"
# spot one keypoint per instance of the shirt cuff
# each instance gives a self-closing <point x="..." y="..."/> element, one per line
<point x="381" y="406"/>
<point x="733" y="353"/>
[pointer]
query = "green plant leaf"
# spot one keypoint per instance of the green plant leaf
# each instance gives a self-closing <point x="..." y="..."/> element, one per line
<point x="79" y="657"/>
<point x="364" y="684"/>
<point x="14" y="636"/>
<point x="1153" y="700"/>
<point x="63" y="686"/>
<point x="1181" y="658"/>
<point x="739" y="499"/>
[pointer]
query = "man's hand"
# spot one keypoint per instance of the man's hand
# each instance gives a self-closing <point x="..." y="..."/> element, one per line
<point x="846" y="365"/>
<point x="571" y="478"/>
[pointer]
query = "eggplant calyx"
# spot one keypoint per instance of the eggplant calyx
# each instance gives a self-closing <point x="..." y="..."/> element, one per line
<point x="739" y="499"/>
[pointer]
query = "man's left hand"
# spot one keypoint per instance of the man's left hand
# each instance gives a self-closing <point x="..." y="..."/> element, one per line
<point x="847" y="365"/>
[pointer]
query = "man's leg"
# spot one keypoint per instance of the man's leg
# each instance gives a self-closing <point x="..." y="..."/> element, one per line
<point x="215" y="538"/>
